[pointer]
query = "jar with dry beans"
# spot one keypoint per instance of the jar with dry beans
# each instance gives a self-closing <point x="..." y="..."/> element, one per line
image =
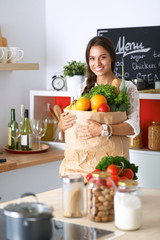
<point x="100" y="197"/>
<point x="154" y="136"/>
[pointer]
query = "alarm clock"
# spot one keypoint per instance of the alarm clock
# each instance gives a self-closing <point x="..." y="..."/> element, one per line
<point x="58" y="82"/>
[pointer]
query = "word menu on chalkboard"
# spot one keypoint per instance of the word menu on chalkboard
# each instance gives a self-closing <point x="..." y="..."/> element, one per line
<point x="139" y="47"/>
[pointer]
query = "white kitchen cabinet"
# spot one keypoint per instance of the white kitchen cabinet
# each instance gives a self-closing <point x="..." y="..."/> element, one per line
<point x="148" y="161"/>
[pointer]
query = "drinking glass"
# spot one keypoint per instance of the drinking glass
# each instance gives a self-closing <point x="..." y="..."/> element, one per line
<point x="38" y="129"/>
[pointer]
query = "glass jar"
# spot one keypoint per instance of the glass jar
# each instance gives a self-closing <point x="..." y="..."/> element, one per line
<point x="154" y="136"/>
<point x="157" y="84"/>
<point x="128" y="205"/>
<point x="73" y="202"/>
<point x="136" y="142"/>
<point x="100" y="197"/>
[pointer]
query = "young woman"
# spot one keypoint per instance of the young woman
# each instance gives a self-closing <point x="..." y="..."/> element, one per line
<point x="96" y="138"/>
<point x="100" y="58"/>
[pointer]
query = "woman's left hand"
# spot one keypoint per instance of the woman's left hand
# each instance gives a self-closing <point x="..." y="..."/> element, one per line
<point x="89" y="129"/>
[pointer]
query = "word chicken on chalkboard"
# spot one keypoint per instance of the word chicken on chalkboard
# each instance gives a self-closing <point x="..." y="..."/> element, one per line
<point x="139" y="48"/>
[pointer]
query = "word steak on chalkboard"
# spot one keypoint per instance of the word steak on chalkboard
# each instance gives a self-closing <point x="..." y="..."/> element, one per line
<point x="140" y="49"/>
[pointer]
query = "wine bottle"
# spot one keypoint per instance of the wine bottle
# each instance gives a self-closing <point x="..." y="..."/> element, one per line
<point x="13" y="142"/>
<point x="26" y="133"/>
<point x="51" y="133"/>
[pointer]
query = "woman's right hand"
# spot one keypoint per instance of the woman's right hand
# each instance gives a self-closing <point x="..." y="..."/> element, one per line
<point x="66" y="120"/>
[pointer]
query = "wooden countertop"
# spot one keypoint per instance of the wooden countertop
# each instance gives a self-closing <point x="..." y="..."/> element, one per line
<point x="150" y="215"/>
<point x="21" y="160"/>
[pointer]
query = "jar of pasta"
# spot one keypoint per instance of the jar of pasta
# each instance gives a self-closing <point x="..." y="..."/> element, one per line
<point x="154" y="136"/>
<point x="100" y="197"/>
<point x="73" y="201"/>
<point x="136" y="142"/>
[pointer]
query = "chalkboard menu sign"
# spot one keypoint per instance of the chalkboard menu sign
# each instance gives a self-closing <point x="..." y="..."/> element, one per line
<point x="139" y="47"/>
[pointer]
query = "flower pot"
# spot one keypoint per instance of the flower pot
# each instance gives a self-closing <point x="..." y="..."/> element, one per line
<point x="74" y="82"/>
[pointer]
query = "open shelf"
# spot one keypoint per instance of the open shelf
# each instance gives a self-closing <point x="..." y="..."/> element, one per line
<point x="149" y="96"/>
<point x="18" y="66"/>
<point x="144" y="151"/>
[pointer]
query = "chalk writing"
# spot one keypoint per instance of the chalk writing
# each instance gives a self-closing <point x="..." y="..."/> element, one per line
<point x="129" y="47"/>
<point x="143" y="65"/>
<point x="139" y="47"/>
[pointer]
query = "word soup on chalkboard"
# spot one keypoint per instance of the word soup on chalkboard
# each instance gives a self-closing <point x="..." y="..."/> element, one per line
<point x="139" y="48"/>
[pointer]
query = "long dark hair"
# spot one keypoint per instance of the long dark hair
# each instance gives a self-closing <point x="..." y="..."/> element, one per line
<point x="105" y="43"/>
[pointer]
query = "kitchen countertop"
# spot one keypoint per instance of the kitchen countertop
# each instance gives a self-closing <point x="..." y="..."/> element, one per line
<point x="150" y="215"/>
<point x="22" y="160"/>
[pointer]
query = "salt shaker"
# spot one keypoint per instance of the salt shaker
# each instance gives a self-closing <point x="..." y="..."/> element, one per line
<point x="73" y="190"/>
<point x="127" y="205"/>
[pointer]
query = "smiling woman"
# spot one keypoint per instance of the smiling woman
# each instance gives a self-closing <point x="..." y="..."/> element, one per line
<point x="86" y="142"/>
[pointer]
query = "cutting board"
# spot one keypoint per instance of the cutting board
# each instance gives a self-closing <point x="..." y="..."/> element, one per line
<point x="1" y="40"/>
<point x="7" y="166"/>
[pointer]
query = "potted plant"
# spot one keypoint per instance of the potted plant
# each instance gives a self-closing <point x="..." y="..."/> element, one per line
<point x="74" y="72"/>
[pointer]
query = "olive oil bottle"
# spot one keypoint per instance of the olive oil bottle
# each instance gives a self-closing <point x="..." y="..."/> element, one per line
<point x="51" y="133"/>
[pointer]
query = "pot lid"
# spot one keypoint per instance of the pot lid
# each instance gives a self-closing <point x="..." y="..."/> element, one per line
<point x="28" y="209"/>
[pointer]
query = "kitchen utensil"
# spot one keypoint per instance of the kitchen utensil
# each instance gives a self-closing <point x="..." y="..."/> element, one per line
<point x="28" y="220"/>
<point x="43" y="148"/>
<point x="4" y="41"/>
<point x="53" y="114"/>
<point x="57" y="110"/>
<point x="1" y="41"/>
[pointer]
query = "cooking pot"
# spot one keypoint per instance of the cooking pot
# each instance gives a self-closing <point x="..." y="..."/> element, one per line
<point x="140" y="84"/>
<point x="28" y="220"/>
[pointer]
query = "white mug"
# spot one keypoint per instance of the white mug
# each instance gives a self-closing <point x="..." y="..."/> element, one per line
<point x="4" y="57"/>
<point x="16" y="54"/>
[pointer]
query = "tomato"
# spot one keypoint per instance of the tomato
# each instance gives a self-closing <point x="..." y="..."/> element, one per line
<point x="113" y="169"/>
<point x="104" y="108"/>
<point x="100" y="182"/>
<point x="124" y="178"/>
<point x="127" y="172"/>
<point x="115" y="179"/>
<point x="89" y="176"/>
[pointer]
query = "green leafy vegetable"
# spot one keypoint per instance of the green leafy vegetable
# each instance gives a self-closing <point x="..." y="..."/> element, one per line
<point x="118" y="160"/>
<point x="109" y="93"/>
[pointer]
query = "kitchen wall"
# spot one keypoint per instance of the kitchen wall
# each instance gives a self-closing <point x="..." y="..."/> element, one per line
<point x="71" y="24"/>
<point x="53" y="32"/>
<point x="23" y="24"/>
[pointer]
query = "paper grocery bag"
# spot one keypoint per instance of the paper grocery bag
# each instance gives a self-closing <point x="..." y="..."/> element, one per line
<point x="82" y="156"/>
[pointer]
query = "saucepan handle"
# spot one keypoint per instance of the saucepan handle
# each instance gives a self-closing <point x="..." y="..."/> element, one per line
<point x="27" y="195"/>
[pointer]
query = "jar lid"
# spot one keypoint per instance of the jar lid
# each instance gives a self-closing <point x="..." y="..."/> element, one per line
<point x="101" y="174"/>
<point x="127" y="183"/>
<point x="72" y="178"/>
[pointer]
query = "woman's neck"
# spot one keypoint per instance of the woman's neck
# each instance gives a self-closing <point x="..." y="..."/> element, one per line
<point x="105" y="79"/>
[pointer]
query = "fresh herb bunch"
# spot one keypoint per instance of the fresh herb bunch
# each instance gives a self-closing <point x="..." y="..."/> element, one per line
<point x="74" y="68"/>
<point x="118" y="160"/>
<point x="118" y="102"/>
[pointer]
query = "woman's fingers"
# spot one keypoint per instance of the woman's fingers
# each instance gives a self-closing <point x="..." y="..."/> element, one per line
<point x="67" y="120"/>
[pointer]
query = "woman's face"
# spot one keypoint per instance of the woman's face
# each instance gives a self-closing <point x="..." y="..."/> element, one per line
<point x="100" y="61"/>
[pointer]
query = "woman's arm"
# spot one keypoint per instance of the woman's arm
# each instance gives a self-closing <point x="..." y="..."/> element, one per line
<point x="91" y="128"/>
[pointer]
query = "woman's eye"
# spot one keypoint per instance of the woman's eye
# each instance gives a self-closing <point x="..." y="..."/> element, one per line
<point x="103" y="57"/>
<point x="91" y="58"/>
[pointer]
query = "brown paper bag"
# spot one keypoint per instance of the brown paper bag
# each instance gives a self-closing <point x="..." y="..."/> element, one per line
<point x="82" y="156"/>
